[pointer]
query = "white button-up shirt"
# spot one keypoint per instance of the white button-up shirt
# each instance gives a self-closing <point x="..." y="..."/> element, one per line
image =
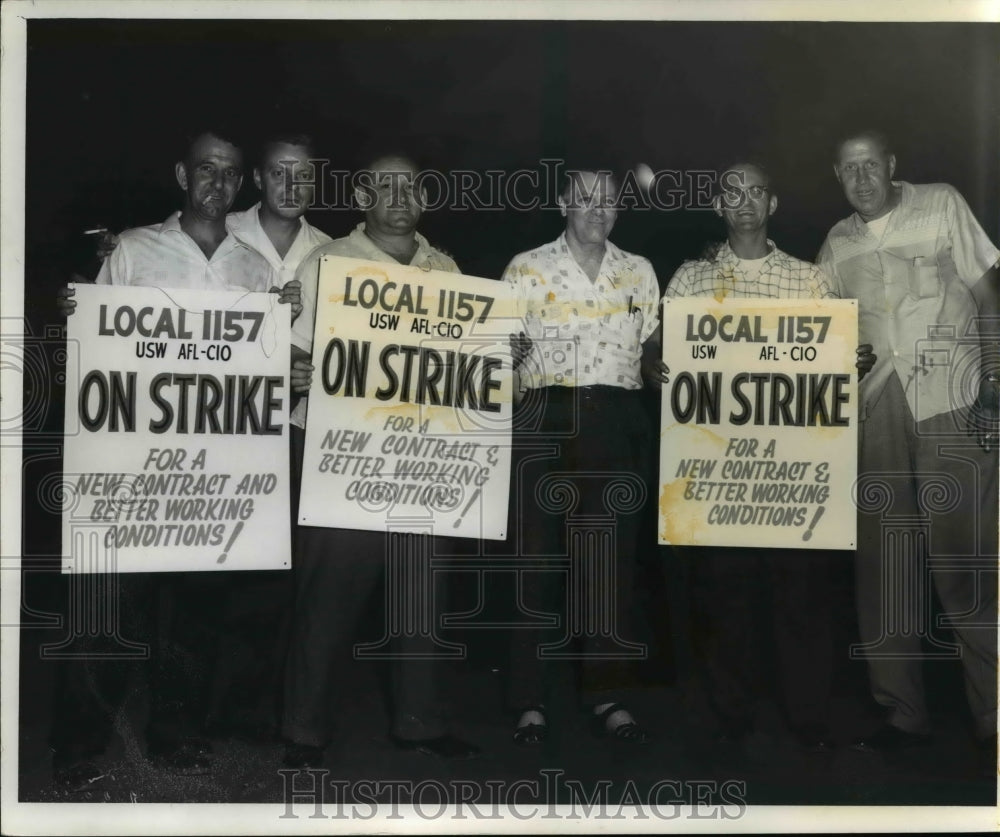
<point x="247" y="229"/>
<point x="164" y="256"/>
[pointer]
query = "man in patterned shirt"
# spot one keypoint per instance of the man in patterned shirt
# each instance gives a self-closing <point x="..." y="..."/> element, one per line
<point x="924" y="274"/>
<point x="748" y="265"/>
<point x="589" y="311"/>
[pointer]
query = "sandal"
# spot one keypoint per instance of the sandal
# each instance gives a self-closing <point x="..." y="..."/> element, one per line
<point x="531" y="734"/>
<point x="627" y="731"/>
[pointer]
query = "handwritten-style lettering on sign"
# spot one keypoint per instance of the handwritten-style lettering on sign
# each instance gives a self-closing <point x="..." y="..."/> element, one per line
<point x="758" y="443"/>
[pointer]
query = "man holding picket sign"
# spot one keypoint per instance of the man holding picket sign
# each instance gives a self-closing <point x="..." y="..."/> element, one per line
<point x="245" y="693"/>
<point x="194" y="250"/>
<point x="748" y="265"/>
<point x="337" y="569"/>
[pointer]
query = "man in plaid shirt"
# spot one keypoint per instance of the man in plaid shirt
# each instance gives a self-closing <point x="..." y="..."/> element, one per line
<point x="749" y="266"/>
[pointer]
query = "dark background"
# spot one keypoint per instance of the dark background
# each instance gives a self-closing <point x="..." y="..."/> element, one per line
<point x="108" y="103"/>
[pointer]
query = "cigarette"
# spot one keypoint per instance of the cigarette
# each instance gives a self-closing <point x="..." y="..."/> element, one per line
<point x="95" y="231"/>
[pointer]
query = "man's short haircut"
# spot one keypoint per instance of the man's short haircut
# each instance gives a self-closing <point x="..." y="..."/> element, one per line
<point x="222" y="132"/>
<point x="872" y="134"/>
<point x="573" y="171"/>
<point x="744" y="164"/>
<point x="391" y="154"/>
<point x="272" y="140"/>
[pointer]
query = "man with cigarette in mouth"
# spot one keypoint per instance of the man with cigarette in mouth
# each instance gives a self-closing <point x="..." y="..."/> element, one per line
<point x="192" y="249"/>
<point x="276" y="228"/>
<point x="924" y="274"/>
<point x="748" y="265"/>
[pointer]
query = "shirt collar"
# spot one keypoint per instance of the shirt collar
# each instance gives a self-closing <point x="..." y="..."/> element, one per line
<point x="729" y="258"/>
<point x="612" y="253"/>
<point x="363" y="242"/>
<point x="907" y="200"/>
<point x="172" y="224"/>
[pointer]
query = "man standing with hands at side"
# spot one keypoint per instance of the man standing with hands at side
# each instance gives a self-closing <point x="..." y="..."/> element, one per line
<point x="924" y="274"/>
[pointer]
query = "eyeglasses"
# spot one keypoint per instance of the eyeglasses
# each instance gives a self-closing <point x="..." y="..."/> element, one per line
<point x="734" y="196"/>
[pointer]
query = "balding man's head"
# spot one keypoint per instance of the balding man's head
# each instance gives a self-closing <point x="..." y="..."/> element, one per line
<point x="210" y="174"/>
<point x="589" y="204"/>
<point x="745" y="200"/>
<point x="386" y="191"/>
<point x="864" y="167"/>
<point x="875" y="138"/>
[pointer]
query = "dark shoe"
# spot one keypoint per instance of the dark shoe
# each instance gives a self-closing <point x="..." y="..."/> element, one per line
<point x="302" y="756"/>
<point x="187" y="757"/>
<point x="443" y="746"/>
<point x="530" y="734"/>
<point x="628" y="731"/>
<point x="890" y="739"/>
<point x="77" y="777"/>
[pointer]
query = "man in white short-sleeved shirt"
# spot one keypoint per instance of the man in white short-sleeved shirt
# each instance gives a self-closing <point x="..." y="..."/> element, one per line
<point x="924" y="274"/>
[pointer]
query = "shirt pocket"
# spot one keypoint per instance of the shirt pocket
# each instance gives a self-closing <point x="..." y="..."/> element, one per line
<point x="924" y="278"/>
<point x="628" y="326"/>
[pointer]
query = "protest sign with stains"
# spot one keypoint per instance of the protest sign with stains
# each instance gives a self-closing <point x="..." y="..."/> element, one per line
<point x="758" y="443"/>
<point x="409" y="419"/>
<point x="176" y="432"/>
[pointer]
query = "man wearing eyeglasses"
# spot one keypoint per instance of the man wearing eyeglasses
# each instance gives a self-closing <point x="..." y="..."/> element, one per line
<point x="748" y="265"/>
<point x="589" y="311"/>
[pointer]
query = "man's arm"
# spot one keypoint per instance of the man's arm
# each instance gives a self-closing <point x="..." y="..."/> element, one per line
<point x="823" y="288"/>
<point x="520" y="343"/>
<point x="654" y="371"/>
<point x="307" y="281"/>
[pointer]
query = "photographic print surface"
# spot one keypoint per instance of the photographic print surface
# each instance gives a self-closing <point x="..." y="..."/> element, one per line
<point x="549" y="662"/>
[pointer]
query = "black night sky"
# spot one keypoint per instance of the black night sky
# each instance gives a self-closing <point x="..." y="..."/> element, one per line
<point x="109" y="100"/>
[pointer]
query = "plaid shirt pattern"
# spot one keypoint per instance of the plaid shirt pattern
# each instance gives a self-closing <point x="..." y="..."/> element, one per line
<point x="781" y="277"/>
